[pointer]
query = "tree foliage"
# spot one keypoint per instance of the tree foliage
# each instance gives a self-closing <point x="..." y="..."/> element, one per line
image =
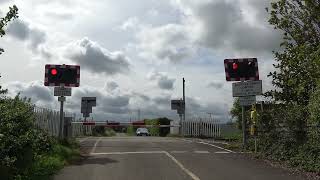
<point x="12" y="14"/>
<point x="20" y="141"/>
<point x="298" y="63"/>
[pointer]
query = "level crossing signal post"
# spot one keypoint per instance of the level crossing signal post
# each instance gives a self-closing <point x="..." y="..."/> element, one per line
<point x="246" y="71"/>
<point x="62" y="78"/>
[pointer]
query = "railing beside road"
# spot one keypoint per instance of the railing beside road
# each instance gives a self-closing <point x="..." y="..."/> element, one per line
<point x="198" y="127"/>
<point x="48" y="120"/>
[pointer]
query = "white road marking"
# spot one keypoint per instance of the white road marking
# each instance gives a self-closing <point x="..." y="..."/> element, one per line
<point x="221" y="152"/>
<point x="186" y="140"/>
<point x="133" y="152"/>
<point x="216" y="146"/>
<point x="178" y="152"/>
<point x="188" y="172"/>
<point x="84" y="139"/>
<point x="95" y="146"/>
<point x="193" y="176"/>
<point x="202" y="152"/>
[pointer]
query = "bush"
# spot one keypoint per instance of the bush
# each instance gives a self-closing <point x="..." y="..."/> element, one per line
<point x="27" y="152"/>
<point x="285" y="135"/>
<point x="130" y="131"/>
<point x="21" y="141"/>
<point x="109" y="132"/>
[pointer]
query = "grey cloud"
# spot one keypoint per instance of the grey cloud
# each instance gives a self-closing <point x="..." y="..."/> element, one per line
<point x="162" y="101"/>
<point x="224" y="25"/>
<point x="167" y="42"/>
<point x="114" y="107"/>
<point x="112" y="104"/>
<point x="142" y="96"/>
<point x="37" y="92"/>
<point x="216" y="85"/>
<point x="112" y="86"/>
<point x="19" y="29"/>
<point x="24" y="32"/>
<point x="4" y="1"/>
<point x="163" y="81"/>
<point x="166" y="83"/>
<point x="92" y="57"/>
<point x="195" y="108"/>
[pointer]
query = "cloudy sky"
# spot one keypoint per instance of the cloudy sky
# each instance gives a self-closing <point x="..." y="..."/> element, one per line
<point x="134" y="54"/>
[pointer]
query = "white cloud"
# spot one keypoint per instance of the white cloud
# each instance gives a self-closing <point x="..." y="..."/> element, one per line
<point x="131" y="23"/>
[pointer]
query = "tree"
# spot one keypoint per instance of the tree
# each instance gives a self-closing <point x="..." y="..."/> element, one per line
<point x="298" y="62"/>
<point x="12" y="14"/>
<point x="236" y="112"/>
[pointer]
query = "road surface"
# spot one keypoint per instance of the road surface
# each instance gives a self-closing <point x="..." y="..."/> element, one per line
<point x="155" y="158"/>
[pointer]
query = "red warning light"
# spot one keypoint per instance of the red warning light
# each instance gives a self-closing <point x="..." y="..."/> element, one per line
<point x="234" y="66"/>
<point x="54" y="71"/>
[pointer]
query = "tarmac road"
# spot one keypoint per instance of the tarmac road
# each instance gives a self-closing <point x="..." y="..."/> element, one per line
<point x="156" y="158"/>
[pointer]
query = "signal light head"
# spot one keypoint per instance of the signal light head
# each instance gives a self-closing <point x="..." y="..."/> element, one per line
<point x="234" y="66"/>
<point x="54" y="72"/>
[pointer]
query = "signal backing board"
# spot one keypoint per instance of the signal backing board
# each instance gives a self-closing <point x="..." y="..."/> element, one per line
<point x="241" y="69"/>
<point x="62" y="75"/>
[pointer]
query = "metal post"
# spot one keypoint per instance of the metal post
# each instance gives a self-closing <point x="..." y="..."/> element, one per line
<point x="62" y="98"/>
<point x="184" y="100"/>
<point x="255" y="144"/>
<point x="180" y="125"/>
<point x="244" y="138"/>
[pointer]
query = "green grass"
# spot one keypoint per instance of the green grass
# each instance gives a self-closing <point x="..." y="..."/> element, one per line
<point x="109" y="132"/>
<point x="48" y="164"/>
<point x="130" y="131"/>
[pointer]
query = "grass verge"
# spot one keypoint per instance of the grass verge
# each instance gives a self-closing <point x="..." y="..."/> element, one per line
<point x="46" y="165"/>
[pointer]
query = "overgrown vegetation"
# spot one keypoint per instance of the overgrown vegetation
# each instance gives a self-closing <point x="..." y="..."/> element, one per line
<point x="289" y="125"/>
<point x="158" y="131"/>
<point x="27" y="152"/>
<point x="103" y="131"/>
<point x="130" y="131"/>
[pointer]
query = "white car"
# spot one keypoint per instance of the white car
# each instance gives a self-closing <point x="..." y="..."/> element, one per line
<point x="142" y="132"/>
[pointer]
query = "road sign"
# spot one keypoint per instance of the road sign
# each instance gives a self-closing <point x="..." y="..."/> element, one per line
<point x="62" y="91"/>
<point x="247" y="88"/>
<point x="62" y="75"/>
<point x="247" y="100"/>
<point x="90" y="101"/>
<point x="86" y="109"/>
<point x="241" y="69"/>
<point x="61" y="99"/>
<point x="177" y="104"/>
<point x="86" y="105"/>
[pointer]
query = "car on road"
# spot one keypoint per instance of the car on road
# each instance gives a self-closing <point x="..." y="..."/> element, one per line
<point x="142" y="132"/>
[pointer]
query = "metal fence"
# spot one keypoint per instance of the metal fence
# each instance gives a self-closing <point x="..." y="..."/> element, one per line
<point x="198" y="127"/>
